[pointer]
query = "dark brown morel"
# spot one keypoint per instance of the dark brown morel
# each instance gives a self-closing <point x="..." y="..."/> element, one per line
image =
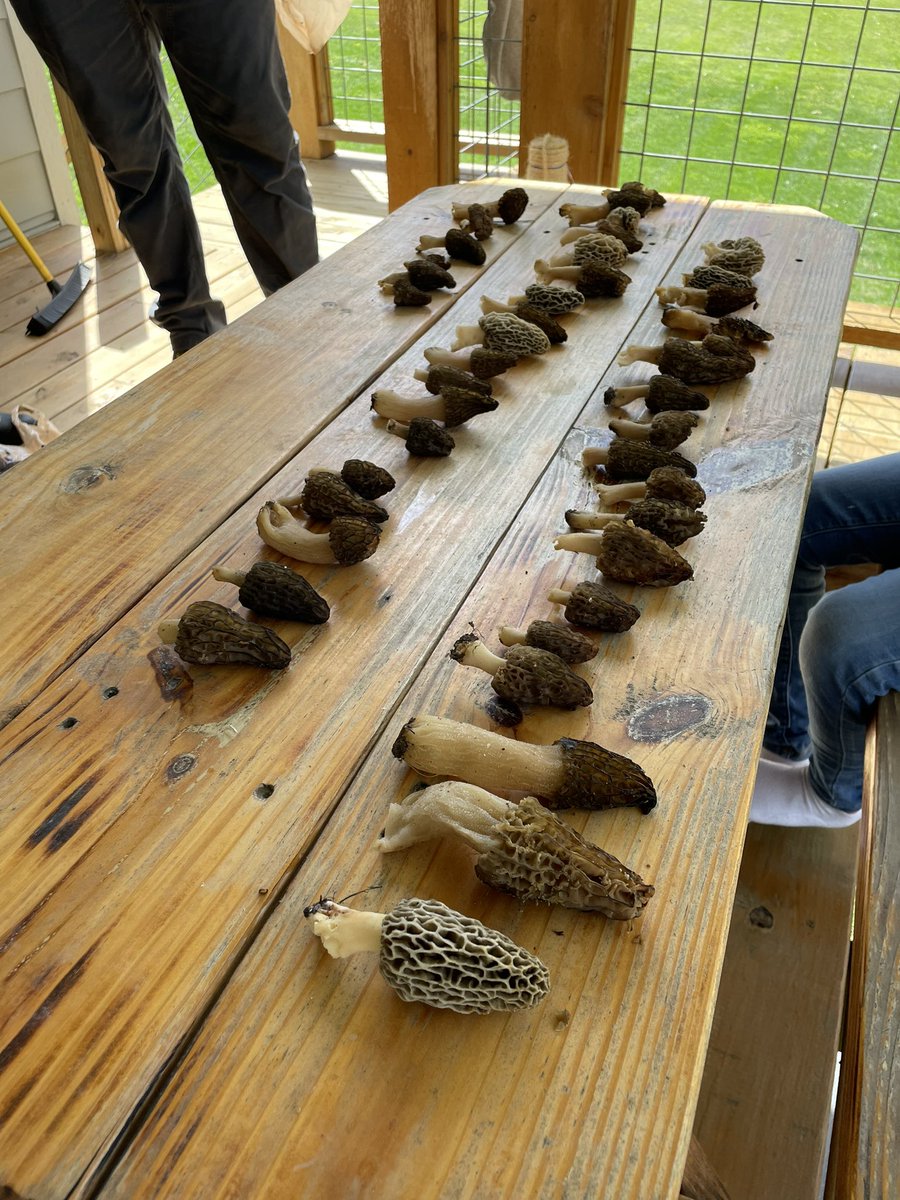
<point x="625" y="458"/>
<point x="527" y="675"/>
<point x="367" y="479"/>
<point x="572" y="647"/>
<point x="594" y="606"/>
<point x="326" y="495"/>
<point x="274" y="590"/>
<point x="633" y="555"/>
<point x="674" y="523"/>
<point x="212" y="635"/>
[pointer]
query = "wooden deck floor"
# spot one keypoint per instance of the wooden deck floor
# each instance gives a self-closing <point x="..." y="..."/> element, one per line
<point x="105" y="344"/>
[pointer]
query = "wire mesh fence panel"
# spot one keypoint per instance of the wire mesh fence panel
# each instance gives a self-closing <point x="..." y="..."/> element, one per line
<point x="490" y="58"/>
<point x="779" y="101"/>
<point x="354" y="70"/>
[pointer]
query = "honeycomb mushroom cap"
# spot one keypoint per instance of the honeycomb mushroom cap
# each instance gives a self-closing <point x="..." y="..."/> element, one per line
<point x="599" y="247"/>
<point x="557" y="301"/>
<point x="669" y="520"/>
<point x="740" y="329"/>
<point x="428" y="275"/>
<point x="743" y="254"/>
<point x="275" y="590"/>
<point x="212" y="635"/>
<point x="627" y="236"/>
<point x="633" y="555"/>
<point x="478" y="222"/>
<point x="426" y="439"/>
<point x="570" y="646"/>
<point x="407" y="295"/>
<point x="668" y="394"/>
<point x="534" y="676"/>
<point x="712" y="273"/>
<point x="595" y="606"/>
<point x="714" y="360"/>
<point x="461" y="404"/>
<point x="485" y="363"/>
<point x="595" y="778"/>
<point x="353" y="539"/>
<point x="628" y="459"/>
<point x="669" y="429"/>
<point x="511" y="205"/>
<point x="464" y="247"/>
<point x="671" y="483"/>
<point x="596" y="279"/>
<point x="438" y="377"/>
<point x="556" y="334"/>
<point x="437" y="956"/>
<point x="509" y="334"/>
<point x="634" y="194"/>
<point x="327" y="495"/>
<point x="367" y="479"/>
<point x="542" y="860"/>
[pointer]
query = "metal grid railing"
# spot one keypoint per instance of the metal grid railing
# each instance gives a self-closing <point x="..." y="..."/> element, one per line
<point x="354" y="69"/>
<point x="490" y="56"/>
<point x="780" y="101"/>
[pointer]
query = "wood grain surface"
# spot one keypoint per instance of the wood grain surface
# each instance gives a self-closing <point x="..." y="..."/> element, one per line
<point x="159" y="842"/>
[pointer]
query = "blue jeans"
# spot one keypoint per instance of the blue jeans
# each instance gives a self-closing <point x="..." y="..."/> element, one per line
<point x="839" y="652"/>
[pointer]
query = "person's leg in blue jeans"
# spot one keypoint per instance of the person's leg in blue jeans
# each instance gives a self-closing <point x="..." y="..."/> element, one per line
<point x="839" y="652"/>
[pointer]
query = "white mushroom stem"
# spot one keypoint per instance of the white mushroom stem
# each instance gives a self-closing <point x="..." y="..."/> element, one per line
<point x="632" y="354"/>
<point x="226" y="575"/>
<point x="467" y="335"/>
<point x="436" y="355"/>
<point x="594" y="456"/>
<point x="398" y="428"/>
<point x="489" y="305"/>
<point x="687" y="320"/>
<point x="510" y="636"/>
<point x="461" y="808"/>
<point x="547" y="272"/>
<point x="571" y="235"/>
<point x="346" y="931"/>
<point x="625" y="395"/>
<point x="168" y="631"/>
<point x="429" y="241"/>
<point x="459" y="211"/>
<point x="387" y="284"/>
<point x="682" y="295"/>
<point x="439" y="746"/>
<point x="476" y="654"/>
<point x="559" y="596"/>
<point x="282" y="531"/>
<point x="618" y="493"/>
<point x="390" y="404"/>
<point x="580" y="520"/>
<point x="585" y="214"/>
<point x="563" y="258"/>
<point x="581" y="543"/>
<point x="639" y="430"/>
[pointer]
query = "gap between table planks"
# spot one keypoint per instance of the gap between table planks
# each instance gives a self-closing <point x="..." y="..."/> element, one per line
<point x="119" y="501"/>
<point x="141" y="830"/>
<point x="310" y="1074"/>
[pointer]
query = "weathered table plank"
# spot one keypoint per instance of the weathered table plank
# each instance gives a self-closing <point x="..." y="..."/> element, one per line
<point x="136" y="855"/>
<point x="310" y="1076"/>
<point x="117" y="504"/>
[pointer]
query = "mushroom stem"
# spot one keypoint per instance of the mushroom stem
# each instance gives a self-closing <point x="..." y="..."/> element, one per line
<point x="581" y="543"/>
<point x="625" y="395"/>
<point x="585" y="214"/>
<point x="390" y="404"/>
<point x="546" y="271"/>
<point x="284" y="533"/>
<point x="679" y="294"/>
<point x="470" y="812"/>
<point x="447" y="358"/>
<point x="622" y="427"/>
<point x="470" y="652"/>
<point x="489" y="305"/>
<point x="594" y="456"/>
<point x="687" y="320"/>
<point x="467" y="335"/>
<point x="430" y="241"/>
<point x="510" y="636"/>
<point x="616" y="493"/>
<point x="581" y="521"/>
<point x="346" y="931"/>
<point x="226" y="575"/>
<point x="168" y="631"/>
<point x="632" y="354"/>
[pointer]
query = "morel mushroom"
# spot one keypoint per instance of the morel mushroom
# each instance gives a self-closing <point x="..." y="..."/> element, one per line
<point x="437" y="377"/>
<point x="630" y="555"/>
<point x="570" y="646"/>
<point x="631" y="195"/>
<point x="595" y="606"/>
<point x="744" y="255"/>
<point x="666" y="430"/>
<point x="523" y="849"/>
<point x="274" y="590"/>
<point x="458" y="244"/>
<point x="505" y="333"/>
<point x="327" y="495"/>
<point x="527" y="675"/>
<point x="663" y="483"/>
<point x="593" y="279"/>
<point x="568" y="774"/>
<point x="367" y="479"/>
<point x="713" y="289"/>
<point x="454" y="406"/>
<point x="428" y="274"/>
<point x="507" y="209"/>
<point x="669" y="520"/>
<point x="212" y="635"/>
<point x="663" y="393"/>
<point x="557" y="301"/>
<point x="691" y="323"/>
<point x="475" y="219"/>
<point x="625" y="458"/>
<point x="404" y="292"/>
<point x="479" y="361"/>
<point x="424" y="437"/>
<point x="430" y="953"/>
<point x="589" y="247"/>
<point x="348" y="540"/>
<point x="714" y="360"/>
<point x="526" y="311"/>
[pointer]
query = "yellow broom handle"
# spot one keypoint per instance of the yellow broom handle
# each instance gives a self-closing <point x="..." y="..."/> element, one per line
<point x="24" y="242"/>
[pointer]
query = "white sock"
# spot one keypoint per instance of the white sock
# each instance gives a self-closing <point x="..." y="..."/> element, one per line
<point x="771" y="756"/>
<point x="783" y="796"/>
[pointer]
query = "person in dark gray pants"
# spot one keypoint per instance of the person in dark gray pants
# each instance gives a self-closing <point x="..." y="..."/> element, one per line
<point x="105" y="54"/>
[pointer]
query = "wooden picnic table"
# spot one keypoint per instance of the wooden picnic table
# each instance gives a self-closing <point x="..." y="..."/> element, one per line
<point x="168" y="1024"/>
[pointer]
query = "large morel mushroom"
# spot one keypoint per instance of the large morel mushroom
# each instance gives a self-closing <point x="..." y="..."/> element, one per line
<point x="595" y="606"/>
<point x="274" y="590"/>
<point x="630" y="555"/>
<point x="349" y="540"/>
<point x="212" y="635"/>
<point x="572" y="647"/>
<point x="430" y="953"/>
<point x="626" y="458"/>
<point x="714" y="360"/>
<point x="527" y="675"/>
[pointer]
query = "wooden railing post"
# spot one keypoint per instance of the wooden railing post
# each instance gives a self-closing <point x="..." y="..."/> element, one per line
<point x="309" y="83"/>
<point x="419" y="73"/>
<point x="574" y="77"/>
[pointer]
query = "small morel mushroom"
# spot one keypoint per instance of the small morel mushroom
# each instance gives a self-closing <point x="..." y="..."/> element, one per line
<point x="627" y="237"/>
<point x="743" y="254"/>
<point x="507" y="209"/>
<point x="424" y="437"/>
<point x="452" y="405"/>
<point x="367" y="479"/>
<point x="479" y="361"/>
<point x="326" y="495"/>
<point x="527" y="675"/>
<point x="625" y="458"/>
<point x="663" y="483"/>
<point x="568" y="774"/>
<point x="432" y="954"/>
<point x="669" y="520"/>
<point x="476" y="220"/>
<point x="427" y="274"/>
<point x="714" y="360"/>
<point x="593" y="279"/>
<point x="595" y="606"/>
<point x="557" y="301"/>
<point x="717" y="299"/>
<point x="458" y="244"/>
<point x="404" y="292"/>
<point x="570" y="646"/>
<point x="630" y="555"/>
<point x="274" y="590"/>
<point x="662" y="393"/>
<point x="523" y="849"/>
<point x="635" y="194"/>
<point x="348" y="540"/>
<point x="438" y="377"/>
<point x="590" y="247"/>
<point x="693" y="324"/>
<point x="666" y="430"/>
<point x="526" y="311"/>
<point x="505" y="333"/>
<point x="212" y="635"/>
